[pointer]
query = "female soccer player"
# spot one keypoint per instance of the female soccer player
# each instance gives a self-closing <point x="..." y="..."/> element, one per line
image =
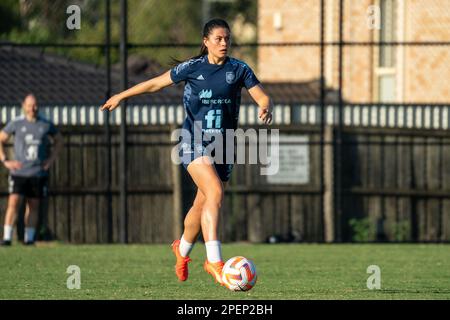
<point x="213" y="84"/>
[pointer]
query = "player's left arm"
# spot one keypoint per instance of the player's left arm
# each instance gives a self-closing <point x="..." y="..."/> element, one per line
<point x="58" y="143"/>
<point x="264" y="102"/>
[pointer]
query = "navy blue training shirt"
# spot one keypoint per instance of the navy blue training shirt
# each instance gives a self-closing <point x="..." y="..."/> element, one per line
<point x="212" y="93"/>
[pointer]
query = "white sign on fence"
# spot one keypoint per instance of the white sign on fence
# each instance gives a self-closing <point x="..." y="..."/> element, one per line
<point x="293" y="161"/>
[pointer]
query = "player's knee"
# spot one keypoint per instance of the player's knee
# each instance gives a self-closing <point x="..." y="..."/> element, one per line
<point x="215" y="196"/>
<point x="199" y="202"/>
<point x="13" y="202"/>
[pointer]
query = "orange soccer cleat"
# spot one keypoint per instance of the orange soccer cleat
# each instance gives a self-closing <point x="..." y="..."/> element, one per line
<point x="181" y="267"/>
<point x="214" y="269"/>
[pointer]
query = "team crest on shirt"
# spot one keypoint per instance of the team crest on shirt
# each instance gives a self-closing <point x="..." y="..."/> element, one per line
<point x="230" y="76"/>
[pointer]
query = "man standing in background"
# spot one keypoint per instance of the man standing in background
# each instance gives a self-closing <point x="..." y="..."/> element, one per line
<point x="29" y="170"/>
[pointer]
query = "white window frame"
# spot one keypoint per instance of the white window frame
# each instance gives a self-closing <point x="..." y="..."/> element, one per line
<point x="398" y="69"/>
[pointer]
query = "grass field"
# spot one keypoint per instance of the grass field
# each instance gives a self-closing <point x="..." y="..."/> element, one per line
<point x="285" y="271"/>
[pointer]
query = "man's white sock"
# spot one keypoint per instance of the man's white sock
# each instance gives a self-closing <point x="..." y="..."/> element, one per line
<point x="213" y="251"/>
<point x="7" y="232"/>
<point x="29" y="234"/>
<point x="185" y="247"/>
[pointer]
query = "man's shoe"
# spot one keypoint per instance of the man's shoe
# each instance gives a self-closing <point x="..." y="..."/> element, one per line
<point x="214" y="269"/>
<point x="6" y="243"/>
<point x="29" y="243"/>
<point x="181" y="266"/>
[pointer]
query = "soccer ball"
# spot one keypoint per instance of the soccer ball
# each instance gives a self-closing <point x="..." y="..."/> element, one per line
<point x="239" y="274"/>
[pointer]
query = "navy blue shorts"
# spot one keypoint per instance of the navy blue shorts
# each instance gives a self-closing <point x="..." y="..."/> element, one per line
<point x="189" y="153"/>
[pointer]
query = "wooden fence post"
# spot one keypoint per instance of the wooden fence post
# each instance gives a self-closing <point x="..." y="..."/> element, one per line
<point x="177" y="197"/>
<point x="328" y="199"/>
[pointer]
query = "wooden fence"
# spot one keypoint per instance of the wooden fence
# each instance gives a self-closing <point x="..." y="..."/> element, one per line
<point x="400" y="180"/>
<point x="396" y="179"/>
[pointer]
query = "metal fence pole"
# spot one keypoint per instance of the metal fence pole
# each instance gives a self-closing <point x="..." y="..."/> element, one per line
<point x="108" y="163"/>
<point x="327" y="222"/>
<point x="123" y="125"/>
<point x="338" y="135"/>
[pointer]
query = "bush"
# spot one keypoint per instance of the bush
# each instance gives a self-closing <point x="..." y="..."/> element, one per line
<point x="363" y="230"/>
<point x="401" y="230"/>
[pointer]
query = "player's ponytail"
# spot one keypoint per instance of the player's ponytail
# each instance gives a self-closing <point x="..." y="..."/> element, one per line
<point x="207" y="30"/>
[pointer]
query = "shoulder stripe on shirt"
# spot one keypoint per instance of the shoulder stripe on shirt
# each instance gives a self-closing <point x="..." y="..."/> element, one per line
<point x="238" y="62"/>
<point x="186" y="64"/>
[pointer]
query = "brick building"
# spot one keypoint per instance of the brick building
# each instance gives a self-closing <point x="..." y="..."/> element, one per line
<point x="411" y="74"/>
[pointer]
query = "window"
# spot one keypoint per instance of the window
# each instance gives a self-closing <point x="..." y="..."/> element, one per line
<point x="386" y="65"/>
<point x="387" y="33"/>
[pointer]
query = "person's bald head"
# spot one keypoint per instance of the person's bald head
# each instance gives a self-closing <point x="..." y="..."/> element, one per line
<point x="29" y="106"/>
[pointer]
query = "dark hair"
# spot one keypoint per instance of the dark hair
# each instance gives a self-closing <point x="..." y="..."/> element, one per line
<point x="207" y="29"/>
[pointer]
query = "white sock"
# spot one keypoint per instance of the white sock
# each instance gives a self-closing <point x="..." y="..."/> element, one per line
<point x="7" y="232"/>
<point x="29" y="234"/>
<point x="213" y="251"/>
<point x="185" y="247"/>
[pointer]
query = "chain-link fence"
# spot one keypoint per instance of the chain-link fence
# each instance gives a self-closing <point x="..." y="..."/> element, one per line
<point x="365" y="79"/>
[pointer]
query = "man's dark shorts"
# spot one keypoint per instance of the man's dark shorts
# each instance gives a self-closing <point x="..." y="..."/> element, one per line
<point x="30" y="187"/>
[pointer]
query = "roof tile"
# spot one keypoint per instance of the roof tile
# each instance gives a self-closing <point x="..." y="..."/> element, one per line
<point x="57" y="79"/>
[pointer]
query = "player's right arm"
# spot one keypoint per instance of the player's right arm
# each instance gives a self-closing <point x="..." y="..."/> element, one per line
<point x="9" y="164"/>
<point x="152" y="85"/>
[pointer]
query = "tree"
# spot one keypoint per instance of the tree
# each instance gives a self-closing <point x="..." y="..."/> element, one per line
<point x="9" y="16"/>
<point x="149" y="22"/>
